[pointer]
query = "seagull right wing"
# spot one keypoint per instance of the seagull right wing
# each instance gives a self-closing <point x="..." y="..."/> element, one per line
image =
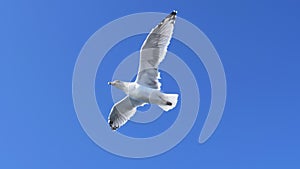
<point x="153" y="52"/>
<point x="122" y="111"/>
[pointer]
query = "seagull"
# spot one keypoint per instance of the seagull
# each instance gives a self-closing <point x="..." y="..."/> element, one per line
<point x="146" y="88"/>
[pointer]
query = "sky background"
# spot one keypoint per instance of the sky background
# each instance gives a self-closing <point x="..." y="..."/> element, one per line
<point x="258" y="43"/>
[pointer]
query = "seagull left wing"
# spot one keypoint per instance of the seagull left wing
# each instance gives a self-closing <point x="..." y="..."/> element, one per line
<point x="153" y="52"/>
<point x="122" y="111"/>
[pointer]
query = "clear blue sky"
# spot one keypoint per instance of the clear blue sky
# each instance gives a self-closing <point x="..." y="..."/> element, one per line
<point x="258" y="43"/>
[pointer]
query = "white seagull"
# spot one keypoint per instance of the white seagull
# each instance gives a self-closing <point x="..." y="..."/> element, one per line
<point x="146" y="88"/>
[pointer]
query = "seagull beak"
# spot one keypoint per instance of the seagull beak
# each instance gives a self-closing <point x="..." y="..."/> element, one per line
<point x="109" y="83"/>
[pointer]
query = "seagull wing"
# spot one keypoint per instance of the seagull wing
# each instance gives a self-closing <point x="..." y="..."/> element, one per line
<point x="153" y="52"/>
<point x="122" y="111"/>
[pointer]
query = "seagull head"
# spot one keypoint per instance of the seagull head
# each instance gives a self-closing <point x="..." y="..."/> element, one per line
<point x="120" y="85"/>
<point x="115" y="83"/>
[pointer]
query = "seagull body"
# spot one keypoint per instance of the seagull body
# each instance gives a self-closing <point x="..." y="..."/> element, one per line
<point x="146" y="88"/>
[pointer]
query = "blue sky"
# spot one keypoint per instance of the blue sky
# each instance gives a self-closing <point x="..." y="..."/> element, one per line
<point x="258" y="43"/>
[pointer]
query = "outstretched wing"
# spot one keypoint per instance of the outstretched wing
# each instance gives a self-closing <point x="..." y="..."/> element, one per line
<point x="122" y="111"/>
<point x="153" y="52"/>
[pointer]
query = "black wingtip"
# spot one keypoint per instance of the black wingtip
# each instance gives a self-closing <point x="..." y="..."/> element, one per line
<point x="173" y="12"/>
<point x="169" y="103"/>
<point x="114" y="128"/>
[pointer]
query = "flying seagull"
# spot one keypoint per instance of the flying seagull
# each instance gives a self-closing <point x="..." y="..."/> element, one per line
<point x="146" y="88"/>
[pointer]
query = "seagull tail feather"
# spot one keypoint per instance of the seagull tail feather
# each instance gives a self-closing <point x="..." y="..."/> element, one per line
<point x="171" y="101"/>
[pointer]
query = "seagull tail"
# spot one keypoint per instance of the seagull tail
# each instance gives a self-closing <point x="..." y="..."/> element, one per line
<point x="171" y="101"/>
